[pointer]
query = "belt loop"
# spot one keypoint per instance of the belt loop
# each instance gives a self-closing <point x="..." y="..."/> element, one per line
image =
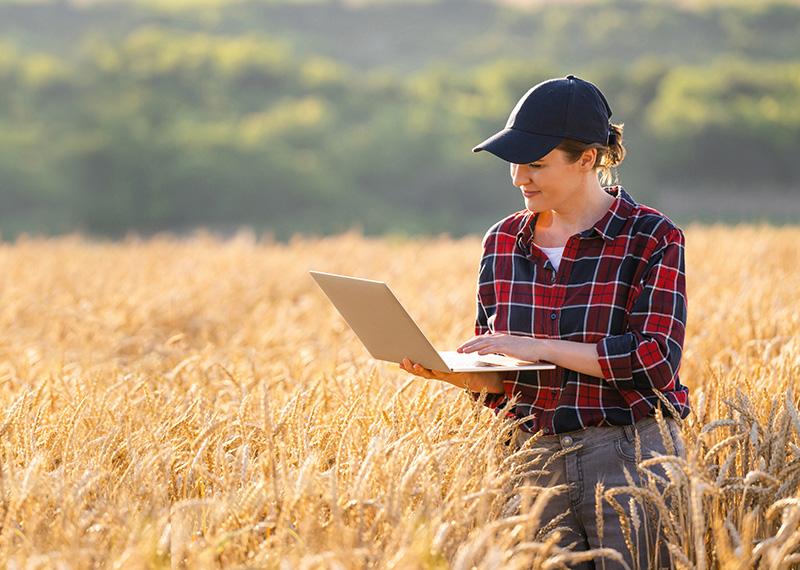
<point x="628" y="429"/>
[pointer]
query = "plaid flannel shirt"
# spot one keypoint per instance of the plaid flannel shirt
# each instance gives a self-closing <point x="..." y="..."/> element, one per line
<point x="620" y="286"/>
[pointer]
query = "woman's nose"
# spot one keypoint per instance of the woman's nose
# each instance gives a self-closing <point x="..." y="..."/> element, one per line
<point x="519" y="174"/>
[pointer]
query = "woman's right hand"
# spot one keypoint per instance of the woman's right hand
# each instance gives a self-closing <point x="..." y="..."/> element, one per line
<point x="473" y="381"/>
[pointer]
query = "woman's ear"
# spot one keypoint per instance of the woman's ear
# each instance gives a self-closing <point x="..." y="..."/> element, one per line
<point x="588" y="159"/>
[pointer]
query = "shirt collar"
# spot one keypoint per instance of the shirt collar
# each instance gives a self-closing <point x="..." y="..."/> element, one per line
<point x="608" y="227"/>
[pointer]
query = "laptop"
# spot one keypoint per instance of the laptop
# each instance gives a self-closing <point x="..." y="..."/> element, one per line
<point x="389" y="333"/>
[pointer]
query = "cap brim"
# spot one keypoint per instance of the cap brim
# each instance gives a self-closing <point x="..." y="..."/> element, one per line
<point x="517" y="146"/>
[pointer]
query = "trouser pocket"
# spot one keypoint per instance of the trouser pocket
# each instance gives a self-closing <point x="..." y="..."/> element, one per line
<point x="677" y="438"/>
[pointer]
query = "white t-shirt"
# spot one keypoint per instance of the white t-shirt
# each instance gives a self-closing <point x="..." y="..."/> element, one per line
<point x="554" y="254"/>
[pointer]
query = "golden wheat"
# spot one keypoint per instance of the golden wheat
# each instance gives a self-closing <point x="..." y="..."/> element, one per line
<point x="198" y="403"/>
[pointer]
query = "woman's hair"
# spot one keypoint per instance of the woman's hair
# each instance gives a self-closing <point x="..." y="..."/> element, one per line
<point x="608" y="156"/>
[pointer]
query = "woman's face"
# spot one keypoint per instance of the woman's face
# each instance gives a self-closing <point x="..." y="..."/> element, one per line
<point x="551" y="180"/>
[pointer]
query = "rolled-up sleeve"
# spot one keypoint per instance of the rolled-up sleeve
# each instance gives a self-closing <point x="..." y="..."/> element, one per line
<point x="647" y="356"/>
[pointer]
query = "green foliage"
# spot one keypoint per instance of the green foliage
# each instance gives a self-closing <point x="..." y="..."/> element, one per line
<point x="319" y="116"/>
<point x="742" y="118"/>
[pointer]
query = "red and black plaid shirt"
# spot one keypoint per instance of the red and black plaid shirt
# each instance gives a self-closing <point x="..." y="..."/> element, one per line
<point x="621" y="285"/>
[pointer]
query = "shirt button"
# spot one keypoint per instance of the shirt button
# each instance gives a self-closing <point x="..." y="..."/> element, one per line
<point x="546" y="430"/>
<point x="566" y="441"/>
<point x="553" y="316"/>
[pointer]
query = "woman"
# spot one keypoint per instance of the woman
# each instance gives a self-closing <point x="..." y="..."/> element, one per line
<point x="592" y="281"/>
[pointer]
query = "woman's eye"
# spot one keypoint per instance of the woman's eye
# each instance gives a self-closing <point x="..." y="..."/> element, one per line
<point x="534" y="165"/>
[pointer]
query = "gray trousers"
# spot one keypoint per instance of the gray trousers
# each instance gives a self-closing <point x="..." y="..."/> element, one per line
<point x="582" y="458"/>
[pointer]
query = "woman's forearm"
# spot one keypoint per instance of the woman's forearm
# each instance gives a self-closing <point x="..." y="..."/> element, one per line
<point x="578" y="356"/>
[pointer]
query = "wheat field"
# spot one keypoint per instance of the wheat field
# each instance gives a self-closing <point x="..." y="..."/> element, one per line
<point x="199" y="403"/>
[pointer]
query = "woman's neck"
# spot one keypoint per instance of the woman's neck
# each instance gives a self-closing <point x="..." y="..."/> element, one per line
<point x="579" y="214"/>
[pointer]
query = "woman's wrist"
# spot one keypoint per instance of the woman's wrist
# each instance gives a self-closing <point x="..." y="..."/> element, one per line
<point x="545" y="349"/>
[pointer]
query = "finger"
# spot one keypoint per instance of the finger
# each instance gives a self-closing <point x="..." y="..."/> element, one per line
<point x="422" y="371"/>
<point x="479" y="344"/>
<point x="468" y="343"/>
<point x="479" y="340"/>
<point x="435" y="374"/>
<point x="410" y="366"/>
<point x="487" y="348"/>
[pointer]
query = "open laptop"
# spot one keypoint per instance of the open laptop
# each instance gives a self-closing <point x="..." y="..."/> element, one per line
<point x="389" y="333"/>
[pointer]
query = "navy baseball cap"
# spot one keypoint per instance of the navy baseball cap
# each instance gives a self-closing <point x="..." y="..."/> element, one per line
<point x="549" y="112"/>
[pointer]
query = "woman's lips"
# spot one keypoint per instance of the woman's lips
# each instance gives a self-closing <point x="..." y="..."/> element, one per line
<point x="529" y="194"/>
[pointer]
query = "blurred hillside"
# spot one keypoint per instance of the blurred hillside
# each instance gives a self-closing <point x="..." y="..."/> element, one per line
<point x="317" y="116"/>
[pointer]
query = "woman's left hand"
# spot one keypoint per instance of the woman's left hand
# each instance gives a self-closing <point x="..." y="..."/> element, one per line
<point x="515" y="346"/>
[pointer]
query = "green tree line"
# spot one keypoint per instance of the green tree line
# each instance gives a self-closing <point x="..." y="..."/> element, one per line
<point x="147" y="117"/>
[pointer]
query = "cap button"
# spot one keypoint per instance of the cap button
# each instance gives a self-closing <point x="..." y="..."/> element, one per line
<point x="570" y="77"/>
